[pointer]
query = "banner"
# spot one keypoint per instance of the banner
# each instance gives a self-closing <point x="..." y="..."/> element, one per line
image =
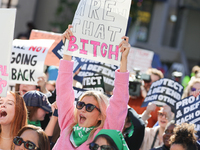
<point x="27" y="60"/>
<point x="188" y="110"/>
<point x="93" y="83"/>
<point x="78" y="92"/>
<point x="92" y="68"/>
<point x="164" y="91"/>
<point x="51" y="59"/>
<point x="98" y="26"/>
<point x="139" y="58"/>
<point x="7" y="19"/>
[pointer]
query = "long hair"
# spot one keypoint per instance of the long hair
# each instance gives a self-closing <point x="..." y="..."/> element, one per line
<point x="20" y="117"/>
<point x="186" y="92"/>
<point x="103" y="104"/>
<point x="43" y="141"/>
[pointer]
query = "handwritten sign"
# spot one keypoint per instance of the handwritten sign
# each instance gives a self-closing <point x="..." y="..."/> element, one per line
<point x="164" y="91"/>
<point x="27" y="60"/>
<point x="188" y="110"/>
<point x="139" y="58"/>
<point x="51" y="59"/>
<point x="7" y="18"/>
<point x="98" y="26"/>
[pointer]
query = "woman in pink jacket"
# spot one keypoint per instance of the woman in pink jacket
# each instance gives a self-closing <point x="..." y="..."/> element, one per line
<point x="92" y="113"/>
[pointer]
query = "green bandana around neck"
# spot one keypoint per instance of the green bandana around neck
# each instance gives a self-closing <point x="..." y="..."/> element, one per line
<point x="116" y="136"/>
<point x="129" y="131"/>
<point x="35" y="123"/>
<point x="79" y="135"/>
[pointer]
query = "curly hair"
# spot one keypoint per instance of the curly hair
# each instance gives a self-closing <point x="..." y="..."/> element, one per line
<point x="184" y="135"/>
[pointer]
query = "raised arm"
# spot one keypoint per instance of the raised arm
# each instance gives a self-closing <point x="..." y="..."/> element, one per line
<point x="64" y="89"/>
<point x="117" y="110"/>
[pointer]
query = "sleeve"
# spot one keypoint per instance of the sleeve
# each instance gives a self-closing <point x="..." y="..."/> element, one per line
<point x="117" y="109"/>
<point x="139" y="128"/>
<point x="65" y="94"/>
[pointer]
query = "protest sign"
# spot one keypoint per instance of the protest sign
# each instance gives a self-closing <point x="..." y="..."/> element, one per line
<point x="164" y="91"/>
<point x="139" y="58"/>
<point x="27" y="60"/>
<point x="98" y="26"/>
<point x="91" y="68"/>
<point x="51" y="59"/>
<point x="93" y="83"/>
<point x="188" y="110"/>
<point x="78" y="92"/>
<point x="7" y="18"/>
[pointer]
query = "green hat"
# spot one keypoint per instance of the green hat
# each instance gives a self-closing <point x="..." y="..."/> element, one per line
<point x="116" y="136"/>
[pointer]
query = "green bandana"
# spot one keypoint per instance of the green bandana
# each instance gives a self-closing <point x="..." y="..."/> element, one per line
<point x="116" y="136"/>
<point x="35" y="123"/>
<point x="79" y="135"/>
<point x="129" y="131"/>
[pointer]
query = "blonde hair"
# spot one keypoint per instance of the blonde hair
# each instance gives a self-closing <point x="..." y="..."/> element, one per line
<point x="155" y="72"/>
<point x="103" y="104"/>
<point x="186" y="92"/>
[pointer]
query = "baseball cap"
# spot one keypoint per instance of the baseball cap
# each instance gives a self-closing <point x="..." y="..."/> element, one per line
<point x="37" y="99"/>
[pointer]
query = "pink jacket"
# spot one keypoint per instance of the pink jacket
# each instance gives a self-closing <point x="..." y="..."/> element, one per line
<point x="116" y="111"/>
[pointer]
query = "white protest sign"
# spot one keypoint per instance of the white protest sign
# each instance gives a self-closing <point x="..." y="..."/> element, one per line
<point x="27" y="60"/>
<point x="98" y="26"/>
<point x="139" y="58"/>
<point x="7" y="19"/>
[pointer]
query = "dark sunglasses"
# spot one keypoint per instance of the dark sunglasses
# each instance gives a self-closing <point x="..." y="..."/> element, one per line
<point x="94" y="146"/>
<point x="28" y="144"/>
<point x="88" y="107"/>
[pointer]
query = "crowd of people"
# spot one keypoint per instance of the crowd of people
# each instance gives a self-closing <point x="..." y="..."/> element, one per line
<point x="45" y="117"/>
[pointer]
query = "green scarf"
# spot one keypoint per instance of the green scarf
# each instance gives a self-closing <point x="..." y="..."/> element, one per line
<point x="79" y="135"/>
<point x="116" y="136"/>
<point x="129" y="131"/>
<point x="35" y="123"/>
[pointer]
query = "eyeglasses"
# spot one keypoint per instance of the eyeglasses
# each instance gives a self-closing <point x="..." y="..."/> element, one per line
<point x="162" y="114"/>
<point x="28" y="144"/>
<point x="94" y="146"/>
<point x="88" y="107"/>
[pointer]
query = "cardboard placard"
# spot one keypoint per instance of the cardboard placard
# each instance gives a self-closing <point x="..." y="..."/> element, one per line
<point x="7" y="17"/>
<point x="27" y="60"/>
<point x="51" y="59"/>
<point x="139" y="58"/>
<point x="98" y="27"/>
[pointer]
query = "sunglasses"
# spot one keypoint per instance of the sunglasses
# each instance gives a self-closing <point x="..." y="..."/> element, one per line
<point x="28" y="144"/>
<point x="193" y="89"/>
<point x="88" y="107"/>
<point x="94" y="146"/>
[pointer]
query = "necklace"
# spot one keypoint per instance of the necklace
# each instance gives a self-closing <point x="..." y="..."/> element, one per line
<point x="5" y="138"/>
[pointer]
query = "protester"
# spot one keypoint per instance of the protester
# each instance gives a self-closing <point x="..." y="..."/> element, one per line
<point x="89" y="120"/>
<point x="153" y="136"/>
<point x="193" y="85"/>
<point x="166" y="136"/>
<point x="184" y="137"/>
<point x="108" y="139"/>
<point x="133" y="130"/>
<point x="38" y="106"/>
<point x="136" y="102"/>
<point x="31" y="137"/>
<point x="13" y="116"/>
